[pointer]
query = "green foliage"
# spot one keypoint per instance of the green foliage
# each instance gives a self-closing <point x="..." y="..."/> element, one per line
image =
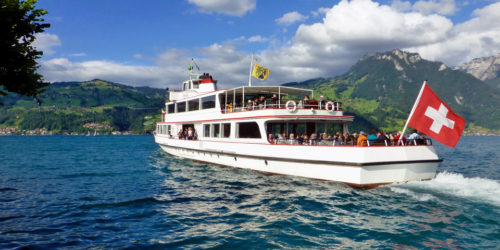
<point x="20" y="21"/>
<point x="69" y="106"/>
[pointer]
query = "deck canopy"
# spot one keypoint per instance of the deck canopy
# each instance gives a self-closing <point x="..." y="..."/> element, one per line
<point x="269" y="90"/>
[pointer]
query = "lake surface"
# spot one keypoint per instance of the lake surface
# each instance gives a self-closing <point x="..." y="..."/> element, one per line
<point x="123" y="191"/>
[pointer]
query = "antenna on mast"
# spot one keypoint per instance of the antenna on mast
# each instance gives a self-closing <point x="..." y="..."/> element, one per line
<point x="194" y="62"/>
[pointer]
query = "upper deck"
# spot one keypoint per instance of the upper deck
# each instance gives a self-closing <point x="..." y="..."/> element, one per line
<point x="251" y="103"/>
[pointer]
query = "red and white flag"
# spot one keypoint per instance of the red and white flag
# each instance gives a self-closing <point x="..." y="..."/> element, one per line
<point x="434" y="118"/>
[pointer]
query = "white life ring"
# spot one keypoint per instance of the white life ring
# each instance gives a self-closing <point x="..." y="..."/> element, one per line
<point x="329" y="106"/>
<point x="291" y="108"/>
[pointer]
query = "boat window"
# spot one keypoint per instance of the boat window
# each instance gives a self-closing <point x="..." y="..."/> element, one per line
<point x="196" y="84"/>
<point x="215" y="130"/>
<point x="171" y="108"/>
<point x="208" y="102"/>
<point x="206" y="130"/>
<point x="248" y="130"/>
<point x="226" y="130"/>
<point x="181" y="107"/>
<point x="194" y="105"/>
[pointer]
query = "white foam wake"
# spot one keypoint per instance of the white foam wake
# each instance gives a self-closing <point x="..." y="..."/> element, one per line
<point x="476" y="189"/>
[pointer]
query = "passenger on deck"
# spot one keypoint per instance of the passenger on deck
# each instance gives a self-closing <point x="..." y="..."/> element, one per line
<point x="270" y="138"/>
<point x="399" y="138"/>
<point x="313" y="104"/>
<point x="362" y="139"/>
<point x="280" y="139"/>
<point x="255" y="103"/>
<point x="306" y="140"/>
<point x="372" y="136"/>
<point x="249" y="105"/>
<point x="313" y="139"/>
<point x="300" y="139"/>
<point x="414" y="138"/>
<point x="339" y="139"/>
<point x="262" y="102"/>
<point x="229" y="107"/>
<point x="306" y="102"/>
<point x="414" y="135"/>
<point x="275" y="101"/>
<point x="292" y="139"/>
<point x="190" y="133"/>
<point x="322" y="102"/>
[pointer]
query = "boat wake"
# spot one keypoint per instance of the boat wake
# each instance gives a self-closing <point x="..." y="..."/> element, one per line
<point x="475" y="189"/>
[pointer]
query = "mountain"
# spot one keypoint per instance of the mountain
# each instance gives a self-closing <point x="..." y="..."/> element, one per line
<point x="486" y="69"/>
<point x="94" y="93"/>
<point x="78" y="107"/>
<point x="381" y="89"/>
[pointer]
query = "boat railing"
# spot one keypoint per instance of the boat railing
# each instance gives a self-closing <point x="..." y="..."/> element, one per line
<point x="353" y="142"/>
<point x="333" y="106"/>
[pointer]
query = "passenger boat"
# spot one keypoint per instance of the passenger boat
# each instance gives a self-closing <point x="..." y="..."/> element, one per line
<point x="223" y="127"/>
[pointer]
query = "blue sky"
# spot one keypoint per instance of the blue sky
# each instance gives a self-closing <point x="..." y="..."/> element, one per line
<point x="150" y="43"/>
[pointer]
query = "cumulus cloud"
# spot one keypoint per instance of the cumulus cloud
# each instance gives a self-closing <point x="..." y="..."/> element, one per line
<point x="477" y="37"/>
<point x="46" y="42"/>
<point x="228" y="7"/>
<point x="290" y="18"/>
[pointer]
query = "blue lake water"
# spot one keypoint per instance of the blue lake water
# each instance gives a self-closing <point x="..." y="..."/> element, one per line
<point x="123" y="191"/>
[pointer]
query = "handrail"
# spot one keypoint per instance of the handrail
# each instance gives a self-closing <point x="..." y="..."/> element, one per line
<point x="352" y="142"/>
<point x="229" y="109"/>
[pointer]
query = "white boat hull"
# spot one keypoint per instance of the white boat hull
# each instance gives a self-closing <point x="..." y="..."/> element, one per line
<point x="364" y="167"/>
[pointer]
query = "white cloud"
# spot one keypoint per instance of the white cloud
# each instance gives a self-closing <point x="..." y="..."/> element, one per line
<point x="477" y="37"/>
<point x="77" y="54"/>
<point x="444" y="7"/>
<point x="228" y="7"/>
<point x="290" y="18"/>
<point x="257" y="38"/>
<point x="401" y="5"/>
<point x="45" y="42"/>
<point x="320" y="11"/>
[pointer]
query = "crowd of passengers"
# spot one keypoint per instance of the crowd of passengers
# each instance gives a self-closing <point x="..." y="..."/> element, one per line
<point x="362" y="139"/>
<point x="188" y="134"/>
<point x="274" y="102"/>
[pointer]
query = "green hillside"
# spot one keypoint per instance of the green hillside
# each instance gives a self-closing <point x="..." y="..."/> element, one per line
<point x="381" y="88"/>
<point x="82" y="107"/>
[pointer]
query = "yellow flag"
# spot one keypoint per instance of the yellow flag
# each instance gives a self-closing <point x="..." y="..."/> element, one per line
<point x="260" y="72"/>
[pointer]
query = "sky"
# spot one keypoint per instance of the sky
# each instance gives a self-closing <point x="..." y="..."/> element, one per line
<point x="151" y="43"/>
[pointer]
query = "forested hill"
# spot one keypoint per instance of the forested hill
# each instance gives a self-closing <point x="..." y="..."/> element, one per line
<point x="381" y="88"/>
<point x="95" y="93"/>
<point x="82" y="107"/>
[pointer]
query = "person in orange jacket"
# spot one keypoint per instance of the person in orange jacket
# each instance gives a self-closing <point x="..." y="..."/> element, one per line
<point x="362" y="139"/>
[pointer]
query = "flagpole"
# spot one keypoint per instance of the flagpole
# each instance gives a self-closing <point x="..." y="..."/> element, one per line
<point x="250" y="75"/>
<point x="414" y="107"/>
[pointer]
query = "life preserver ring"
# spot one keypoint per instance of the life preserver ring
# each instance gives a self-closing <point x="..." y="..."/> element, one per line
<point x="329" y="106"/>
<point x="291" y="108"/>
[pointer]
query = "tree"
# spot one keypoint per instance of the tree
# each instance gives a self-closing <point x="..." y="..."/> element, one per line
<point x="19" y="23"/>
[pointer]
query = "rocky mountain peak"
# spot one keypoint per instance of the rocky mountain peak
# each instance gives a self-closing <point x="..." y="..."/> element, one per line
<point x="398" y="57"/>
<point x="484" y="68"/>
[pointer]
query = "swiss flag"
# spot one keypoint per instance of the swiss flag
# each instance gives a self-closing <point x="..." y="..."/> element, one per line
<point x="436" y="119"/>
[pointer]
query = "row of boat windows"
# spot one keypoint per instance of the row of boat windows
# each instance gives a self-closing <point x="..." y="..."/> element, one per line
<point x="219" y="130"/>
<point x="207" y="102"/>
<point x="251" y="129"/>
